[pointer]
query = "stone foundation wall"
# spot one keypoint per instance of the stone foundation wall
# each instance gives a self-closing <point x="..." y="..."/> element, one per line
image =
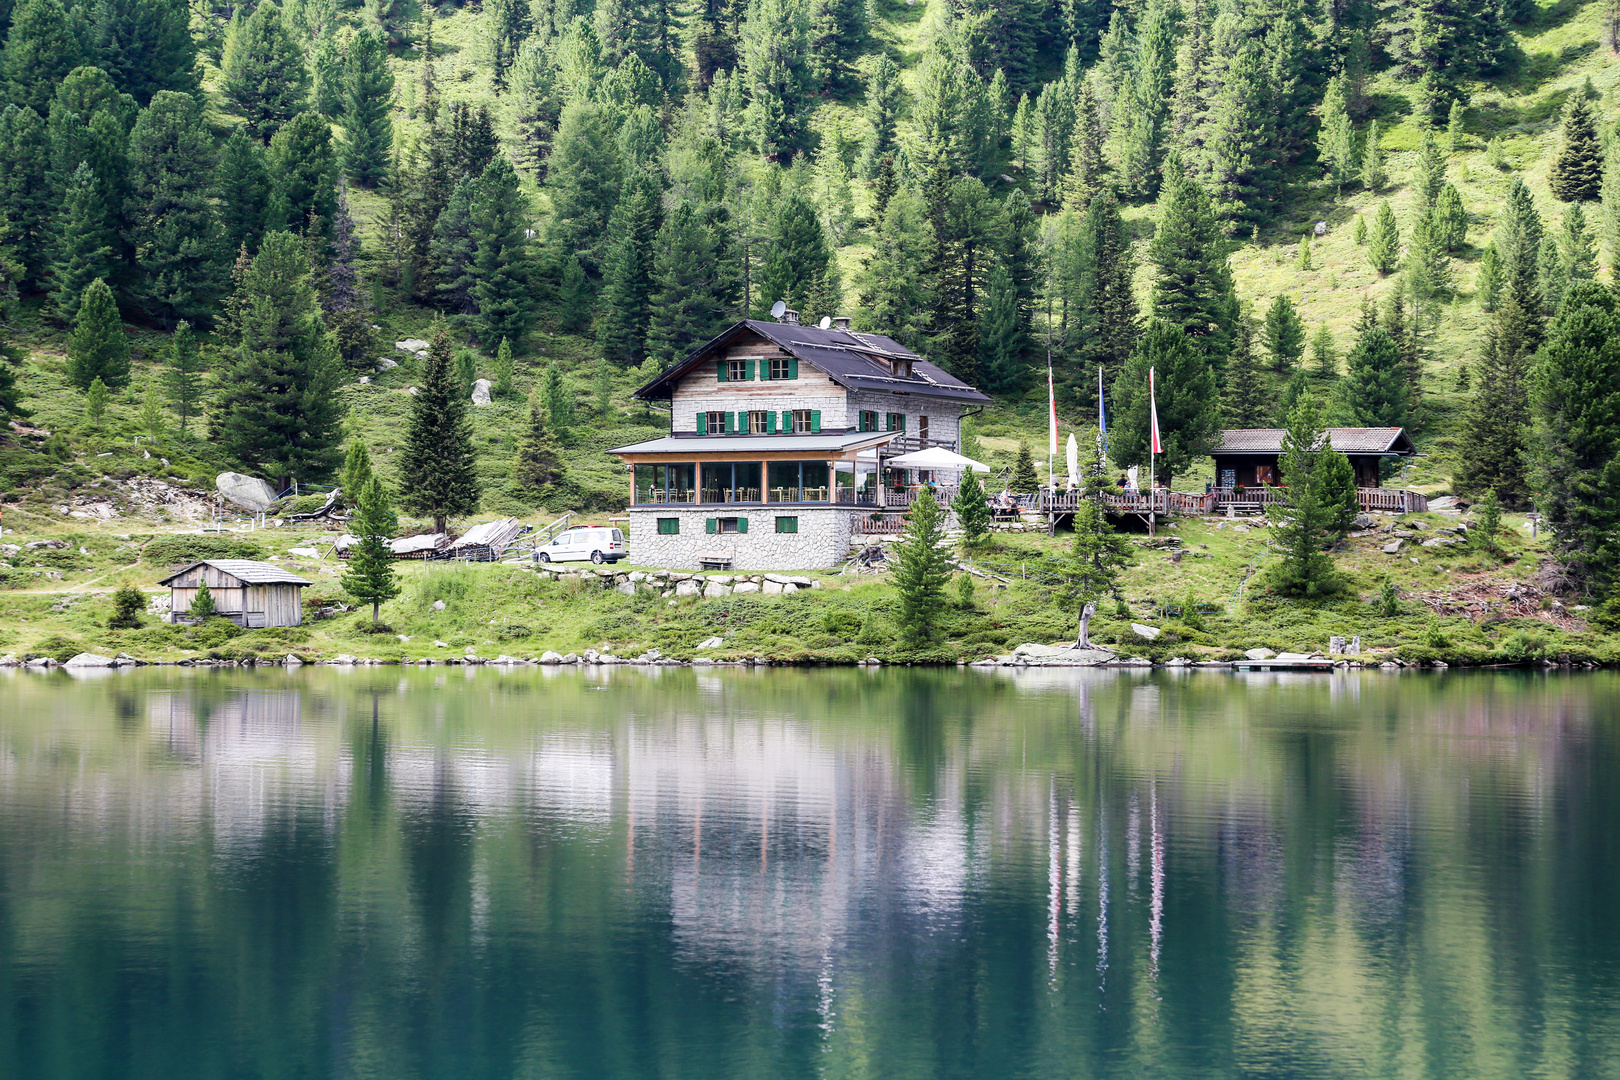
<point x="822" y="539"/>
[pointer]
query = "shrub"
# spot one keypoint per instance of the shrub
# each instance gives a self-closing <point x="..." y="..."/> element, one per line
<point x="127" y="604"/>
<point x="173" y="550"/>
<point x="56" y="647"/>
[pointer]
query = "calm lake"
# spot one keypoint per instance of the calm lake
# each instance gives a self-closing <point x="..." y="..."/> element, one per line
<point x="470" y="874"/>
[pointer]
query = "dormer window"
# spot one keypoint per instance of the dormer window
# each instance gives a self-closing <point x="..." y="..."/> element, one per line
<point x="902" y="368"/>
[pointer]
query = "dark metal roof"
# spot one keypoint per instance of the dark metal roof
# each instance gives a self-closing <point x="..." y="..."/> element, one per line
<point x="1346" y="440"/>
<point x="246" y="571"/>
<point x="852" y="359"/>
<point x="718" y="444"/>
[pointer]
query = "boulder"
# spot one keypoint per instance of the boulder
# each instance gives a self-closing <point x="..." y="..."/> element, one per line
<point x="413" y="391"/>
<point x="415" y="346"/>
<point x="1149" y="632"/>
<point x="745" y="587"/>
<point x="773" y="588"/>
<point x="1366" y="521"/>
<point x="1335" y="646"/>
<point x="689" y="587"/>
<point x="549" y="657"/>
<point x="85" y="660"/>
<point x="569" y="658"/>
<point x="51" y="545"/>
<point x="1259" y="654"/>
<point x="1035" y="655"/>
<point x="1393" y="547"/>
<point x="248" y="492"/>
<point x="293" y="661"/>
<point x="480" y="392"/>
<point x="304" y="552"/>
<point x="711" y="643"/>
<point x="716" y="588"/>
<point x="344" y="659"/>
<point x="438" y="605"/>
<point x="385" y="364"/>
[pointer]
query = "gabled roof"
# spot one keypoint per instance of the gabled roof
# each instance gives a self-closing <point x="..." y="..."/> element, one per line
<point x="833" y="442"/>
<point x="246" y="571"/>
<point x="1392" y="441"/>
<point x="855" y="361"/>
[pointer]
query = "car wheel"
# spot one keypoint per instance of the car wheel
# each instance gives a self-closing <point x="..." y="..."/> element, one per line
<point x="544" y="557"/>
<point x="596" y="557"/>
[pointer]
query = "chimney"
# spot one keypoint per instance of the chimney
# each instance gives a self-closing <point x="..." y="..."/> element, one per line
<point x="790" y="317"/>
<point x="840" y="322"/>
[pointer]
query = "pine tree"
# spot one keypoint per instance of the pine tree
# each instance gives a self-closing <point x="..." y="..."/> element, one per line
<point x="183" y="380"/>
<point x="504" y="264"/>
<point x="279" y="411"/>
<point x="1576" y="411"/>
<point x="42" y="46"/>
<point x="583" y="177"/>
<point x="303" y="175"/>
<point x="1373" y="390"/>
<point x="627" y="273"/>
<point x="693" y="292"/>
<point x="97" y="348"/>
<point x="146" y="46"/>
<point x="1243" y="397"/>
<point x="1241" y="141"/>
<point x="368" y="131"/>
<point x="438" y="473"/>
<point x="1285" y="335"/>
<point x="1336" y="145"/>
<point x="1384" y="245"/>
<point x="922" y="569"/>
<point x="89" y="124"/>
<point x="1305" y="521"/>
<point x="972" y="511"/>
<point x="1374" y="173"/>
<point x="266" y="80"/>
<point x="326" y="70"/>
<point x="177" y="237"/>
<point x="507" y="23"/>
<point x="1193" y="288"/>
<point x="775" y="46"/>
<point x="1576" y="174"/>
<point x="25" y="190"/>
<point x="800" y="267"/>
<point x="369" y="576"/>
<point x="1324" y="359"/>
<point x="539" y="462"/>
<point x="1188" y="404"/>
<point x="243" y="186"/>
<point x="1024" y="478"/>
<point x="84" y="243"/>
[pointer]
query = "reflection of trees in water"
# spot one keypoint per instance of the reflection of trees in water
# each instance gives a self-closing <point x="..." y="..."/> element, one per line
<point x="1196" y="875"/>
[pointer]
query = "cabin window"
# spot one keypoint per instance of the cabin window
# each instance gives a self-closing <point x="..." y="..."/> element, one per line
<point x="806" y="421"/>
<point x="759" y="422"/>
<point x="797" y="481"/>
<point x="715" y="423"/>
<point x="868" y="420"/>
<point x="1265" y="474"/>
<point x="785" y="368"/>
<point x="737" y="370"/>
<point x="731" y="481"/>
<point x="725" y="525"/>
<point x="787" y="524"/>
<point x="896" y="421"/>
<point x="922" y="427"/>
<point x="669" y="526"/>
<point x="666" y="483"/>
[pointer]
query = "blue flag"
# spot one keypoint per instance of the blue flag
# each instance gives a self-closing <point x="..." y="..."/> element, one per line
<point x="1102" y="413"/>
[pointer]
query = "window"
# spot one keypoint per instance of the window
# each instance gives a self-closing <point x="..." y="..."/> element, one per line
<point x="737" y="370"/>
<point x="785" y="368"/>
<point x="896" y="421"/>
<point x="715" y="423"/>
<point x="725" y="525"/>
<point x="669" y="526"/>
<point x="868" y="420"/>
<point x="806" y="421"/>
<point x="666" y="483"/>
<point x="759" y="422"/>
<point x="922" y="427"/>
<point x="787" y="524"/>
<point x="731" y="481"/>
<point x="797" y="481"/>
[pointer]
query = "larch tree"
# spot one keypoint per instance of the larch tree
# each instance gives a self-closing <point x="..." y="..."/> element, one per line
<point x="368" y="130"/>
<point x="266" y="79"/>
<point x="97" y="348"/>
<point x="438" y="469"/>
<point x="176" y="231"/>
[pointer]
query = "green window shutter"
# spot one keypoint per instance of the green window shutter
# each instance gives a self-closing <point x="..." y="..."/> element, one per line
<point x="750" y="364"/>
<point x="787" y="524"/>
<point x="725" y="422"/>
<point x="720" y="372"/>
<point x="742" y="423"/>
<point x="742" y="525"/>
<point x="815" y="421"/>
<point x="770" y="421"/>
<point x="787" y="421"/>
<point x="703" y="423"/>
<point x="793" y="368"/>
<point x="710" y="525"/>
<point x="902" y="421"/>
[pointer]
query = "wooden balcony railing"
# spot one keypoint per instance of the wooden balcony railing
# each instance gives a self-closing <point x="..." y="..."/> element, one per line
<point x="1257" y="499"/>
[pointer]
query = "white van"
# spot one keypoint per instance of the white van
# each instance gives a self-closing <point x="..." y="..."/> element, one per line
<point x="591" y="542"/>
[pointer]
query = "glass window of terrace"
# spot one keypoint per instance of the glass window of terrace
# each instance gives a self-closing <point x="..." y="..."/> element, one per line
<point x="731" y="481"/>
<point x="666" y="483"/>
<point x="797" y="481"/>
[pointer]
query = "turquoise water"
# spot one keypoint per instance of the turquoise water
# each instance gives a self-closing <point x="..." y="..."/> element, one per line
<point x="463" y="873"/>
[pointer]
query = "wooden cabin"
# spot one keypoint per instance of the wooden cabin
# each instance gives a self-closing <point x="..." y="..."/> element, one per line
<point x="1248" y="457"/>
<point x="250" y="594"/>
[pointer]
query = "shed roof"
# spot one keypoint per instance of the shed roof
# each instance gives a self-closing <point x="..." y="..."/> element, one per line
<point x="1346" y="440"/>
<point x="853" y="360"/>
<point x="246" y="571"/>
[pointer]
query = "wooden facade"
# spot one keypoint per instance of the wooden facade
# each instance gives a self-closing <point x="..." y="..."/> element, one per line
<point x="250" y="594"/>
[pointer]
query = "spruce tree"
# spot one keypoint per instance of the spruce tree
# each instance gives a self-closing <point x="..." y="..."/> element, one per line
<point x="1285" y="335"/>
<point x="1001" y="340"/>
<point x="369" y="576"/>
<point x="25" y="190"/>
<point x="243" y="186"/>
<point x="1576" y="174"/>
<point x="800" y="267"/>
<point x="84" y="243"/>
<point x="357" y="471"/>
<point x="1193" y="289"/>
<point x="368" y="131"/>
<point x="1086" y="164"/>
<point x="41" y="47"/>
<point x="1384" y="245"/>
<point x="1575" y="402"/>
<point x="1108" y="320"/>
<point x="539" y="462"/>
<point x="266" y="80"/>
<point x="969" y="233"/>
<point x="279" y="411"/>
<point x="146" y="46"/>
<point x="504" y="264"/>
<point x="692" y="292"/>
<point x="303" y="175"/>
<point x="1243" y="396"/>
<point x="1306" y="518"/>
<point x="559" y="400"/>
<point x="453" y="252"/>
<point x="583" y="178"/>
<point x="1324" y="360"/>
<point x="1404" y="332"/>
<point x="1241" y="141"/>
<point x="97" y="348"/>
<point x="1188" y="404"/>
<point x="922" y="569"/>
<point x="972" y="511"/>
<point x="438" y="470"/>
<point x="177" y="237"/>
<point x="627" y="274"/>
<point x="1024" y="478"/>
<point x="1374" y="172"/>
<point x="183" y="381"/>
<point x="893" y="286"/>
<point x="1495" y="436"/>
<point x="1373" y="390"/>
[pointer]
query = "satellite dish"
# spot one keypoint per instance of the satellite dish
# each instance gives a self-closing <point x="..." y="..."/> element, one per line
<point x="826" y="322"/>
<point x="777" y="309"/>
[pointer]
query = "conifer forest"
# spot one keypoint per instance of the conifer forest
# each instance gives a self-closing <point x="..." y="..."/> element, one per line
<point x="216" y="221"/>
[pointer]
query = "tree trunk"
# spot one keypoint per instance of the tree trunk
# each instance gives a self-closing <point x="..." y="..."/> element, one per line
<point x="441" y="523"/>
<point x="375" y="604"/>
<point x="1083" y="640"/>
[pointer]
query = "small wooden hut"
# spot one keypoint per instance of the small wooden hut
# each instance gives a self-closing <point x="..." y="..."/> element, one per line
<point x="250" y="594"/>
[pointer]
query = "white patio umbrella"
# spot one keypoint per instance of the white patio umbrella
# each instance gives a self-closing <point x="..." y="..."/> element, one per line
<point x="936" y="457"/>
<point x="1073" y="455"/>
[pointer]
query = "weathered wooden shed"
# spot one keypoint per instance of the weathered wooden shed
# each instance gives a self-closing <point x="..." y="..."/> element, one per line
<point x="250" y="594"/>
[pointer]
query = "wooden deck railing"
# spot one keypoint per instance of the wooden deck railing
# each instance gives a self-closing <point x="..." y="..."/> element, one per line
<point x="1389" y="500"/>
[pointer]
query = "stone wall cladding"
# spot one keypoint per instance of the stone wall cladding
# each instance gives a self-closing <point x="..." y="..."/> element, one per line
<point x="822" y="540"/>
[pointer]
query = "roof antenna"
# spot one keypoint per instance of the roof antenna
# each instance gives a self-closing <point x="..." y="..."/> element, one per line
<point x="826" y="322"/>
<point x="777" y="309"/>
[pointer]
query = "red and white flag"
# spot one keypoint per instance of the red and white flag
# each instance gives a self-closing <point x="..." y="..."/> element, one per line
<point x="1153" y="407"/>
<point x="1051" y="414"/>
